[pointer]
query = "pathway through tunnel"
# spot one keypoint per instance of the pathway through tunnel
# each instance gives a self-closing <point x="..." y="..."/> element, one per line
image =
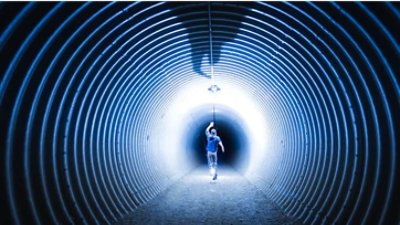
<point x="195" y="199"/>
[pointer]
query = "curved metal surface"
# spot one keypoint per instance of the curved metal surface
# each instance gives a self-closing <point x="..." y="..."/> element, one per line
<point x="85" y="87"/>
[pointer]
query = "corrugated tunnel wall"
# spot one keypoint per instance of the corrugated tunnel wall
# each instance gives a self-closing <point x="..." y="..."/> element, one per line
<point x="96" y="99"/>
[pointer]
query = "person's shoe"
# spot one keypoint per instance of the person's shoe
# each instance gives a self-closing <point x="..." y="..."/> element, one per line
<point x="215" y="176"/>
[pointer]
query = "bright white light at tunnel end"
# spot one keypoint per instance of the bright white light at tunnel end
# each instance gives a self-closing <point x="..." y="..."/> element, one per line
<point x="196" y="94"/>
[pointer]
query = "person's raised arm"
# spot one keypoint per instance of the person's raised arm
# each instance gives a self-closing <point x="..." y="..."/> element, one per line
<point x="208" y="129"/>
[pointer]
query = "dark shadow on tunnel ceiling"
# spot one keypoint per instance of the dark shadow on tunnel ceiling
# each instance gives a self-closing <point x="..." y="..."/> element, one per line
<point x="226" y="21"/>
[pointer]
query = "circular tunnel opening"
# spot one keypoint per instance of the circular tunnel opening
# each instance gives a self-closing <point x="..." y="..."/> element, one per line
<point x="233" y="136"/>
<point x="89" y="95"/>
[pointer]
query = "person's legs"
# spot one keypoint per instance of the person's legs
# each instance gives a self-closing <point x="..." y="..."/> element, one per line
<point x="215" y="161"/>
<point x="209" y="160"/>
<point x="214" y="165"/>
<point x="212" y="159"/>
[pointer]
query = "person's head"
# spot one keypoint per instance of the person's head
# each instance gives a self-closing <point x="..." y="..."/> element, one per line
<point x="213" y="132"/>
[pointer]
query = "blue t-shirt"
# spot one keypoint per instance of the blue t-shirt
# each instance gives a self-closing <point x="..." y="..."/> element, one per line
<point x="212" y="143"/>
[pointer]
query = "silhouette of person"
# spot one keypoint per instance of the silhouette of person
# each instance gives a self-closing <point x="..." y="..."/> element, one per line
<point x="212" y="149"/>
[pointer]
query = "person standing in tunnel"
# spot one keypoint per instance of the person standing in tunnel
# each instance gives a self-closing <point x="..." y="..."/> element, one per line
<point x="212" y="149"/>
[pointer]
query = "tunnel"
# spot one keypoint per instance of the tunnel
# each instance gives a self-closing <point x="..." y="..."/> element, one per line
<point x="104" y="105"/>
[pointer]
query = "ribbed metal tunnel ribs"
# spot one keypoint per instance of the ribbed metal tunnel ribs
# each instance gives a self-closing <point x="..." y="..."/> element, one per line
<point x="87" y="93"/>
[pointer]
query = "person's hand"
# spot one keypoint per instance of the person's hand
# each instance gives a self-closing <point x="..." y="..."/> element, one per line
<point x="211" y="124"/>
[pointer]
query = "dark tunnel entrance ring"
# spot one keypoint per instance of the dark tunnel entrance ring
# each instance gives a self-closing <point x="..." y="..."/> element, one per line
<point x="233" y="135"/>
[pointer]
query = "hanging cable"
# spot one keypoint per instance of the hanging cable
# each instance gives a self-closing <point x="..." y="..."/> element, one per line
<point x="213" y="88"/>
<point x="211" y="46"/>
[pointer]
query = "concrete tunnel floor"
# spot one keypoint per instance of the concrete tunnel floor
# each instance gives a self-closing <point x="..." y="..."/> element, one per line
<point x="195" y="199"/>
